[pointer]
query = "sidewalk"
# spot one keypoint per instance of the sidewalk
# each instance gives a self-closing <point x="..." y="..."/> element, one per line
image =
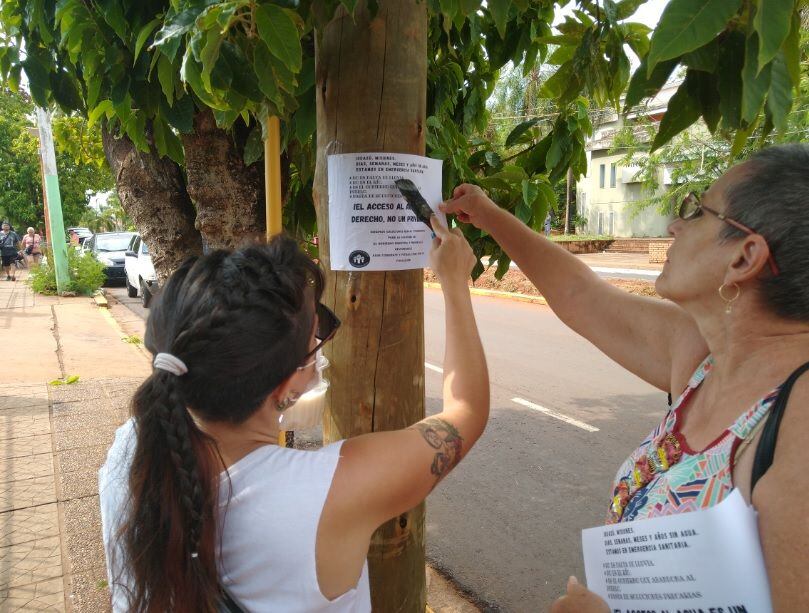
<point x="52" y="441"/>
<point x="54" y="438"/>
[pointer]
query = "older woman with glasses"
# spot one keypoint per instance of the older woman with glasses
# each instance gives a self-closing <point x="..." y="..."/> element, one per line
<point x="202" y="511"/>
<point x="731" y="341"/>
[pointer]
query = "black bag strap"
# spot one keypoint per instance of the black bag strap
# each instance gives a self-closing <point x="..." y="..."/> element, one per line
<point x="226" y="602"/>
<point x="766" y="444"/>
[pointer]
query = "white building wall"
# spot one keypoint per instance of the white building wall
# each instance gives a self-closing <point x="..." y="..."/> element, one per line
<point x="608" y="209"/>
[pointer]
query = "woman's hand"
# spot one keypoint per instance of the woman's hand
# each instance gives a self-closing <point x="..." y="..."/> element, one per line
<point x="451" y="258"/>
<point x="579" y="600"/>
<point x="470" y="204"/>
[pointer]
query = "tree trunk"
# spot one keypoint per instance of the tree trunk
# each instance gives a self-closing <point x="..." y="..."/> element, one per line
<point x="371" y="96"/>
<point x="229" y="196"/>
<point x="153" y="194"/>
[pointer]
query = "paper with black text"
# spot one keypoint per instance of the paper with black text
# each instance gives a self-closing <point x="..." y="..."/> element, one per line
<point x="370" y="225"/>
<point x="709" y="561"/>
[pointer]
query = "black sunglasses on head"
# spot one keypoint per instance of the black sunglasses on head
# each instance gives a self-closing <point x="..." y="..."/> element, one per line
<point x="327" y="325"/>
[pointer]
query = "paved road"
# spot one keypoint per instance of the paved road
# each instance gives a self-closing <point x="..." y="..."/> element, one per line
<point x="506" y="524"/>
<point x="133" y="304"/>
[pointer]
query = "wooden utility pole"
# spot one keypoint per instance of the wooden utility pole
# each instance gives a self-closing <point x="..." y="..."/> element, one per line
<point x="371" y="96"/>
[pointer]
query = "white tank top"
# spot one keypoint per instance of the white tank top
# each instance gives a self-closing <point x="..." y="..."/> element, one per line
<point x="270" y="506"/>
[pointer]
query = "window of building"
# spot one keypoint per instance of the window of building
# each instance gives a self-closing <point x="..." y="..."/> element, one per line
<point x="602" y="175"/>
<point x="612" y="175"/>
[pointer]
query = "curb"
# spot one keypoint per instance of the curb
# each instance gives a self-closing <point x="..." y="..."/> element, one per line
<point x="101" y="300"/>
<point x="110" y="318"/>
<point x="493" y="293"/>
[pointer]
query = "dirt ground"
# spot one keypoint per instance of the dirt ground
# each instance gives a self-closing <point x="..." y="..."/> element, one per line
<point x="515" y="281"/>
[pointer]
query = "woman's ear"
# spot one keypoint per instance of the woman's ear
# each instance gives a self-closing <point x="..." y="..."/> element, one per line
<point x="749" y="259"/>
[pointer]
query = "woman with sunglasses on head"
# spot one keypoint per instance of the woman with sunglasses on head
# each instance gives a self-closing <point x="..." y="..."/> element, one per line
<point x="731" y="339"/>
<point x="201" y="509"/>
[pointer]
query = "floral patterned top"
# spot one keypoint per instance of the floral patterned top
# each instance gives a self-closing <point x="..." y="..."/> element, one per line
<point x="665" y="476"/>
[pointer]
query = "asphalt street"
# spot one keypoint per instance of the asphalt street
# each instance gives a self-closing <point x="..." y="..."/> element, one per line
<point x="506" y="525"/>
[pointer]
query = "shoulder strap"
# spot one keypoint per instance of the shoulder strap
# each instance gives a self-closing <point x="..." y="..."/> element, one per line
<point x="226" y="603"/>
<point x="766" y="444"/>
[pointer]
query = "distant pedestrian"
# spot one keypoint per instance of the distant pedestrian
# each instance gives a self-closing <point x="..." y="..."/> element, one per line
<point x="31" y="247"/>
<point x="8" y="250"/>
<point x="74" y="238"/>
<point x="548" y="224"/>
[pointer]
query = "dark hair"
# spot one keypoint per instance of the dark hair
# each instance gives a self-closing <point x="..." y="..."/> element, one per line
<point x="772" y="199"/>
<point x="241" y="322"/>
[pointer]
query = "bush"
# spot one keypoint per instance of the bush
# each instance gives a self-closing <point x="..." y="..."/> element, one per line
<point x="85" y="273"/>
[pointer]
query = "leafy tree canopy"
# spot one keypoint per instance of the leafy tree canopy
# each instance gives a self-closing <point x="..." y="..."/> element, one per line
<point x="145" y="67"/>
<point x="79" y="158"/>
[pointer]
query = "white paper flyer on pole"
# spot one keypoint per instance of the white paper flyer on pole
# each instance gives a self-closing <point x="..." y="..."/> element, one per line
<point x="370" y="224"/>
<point x="702" y="562"/>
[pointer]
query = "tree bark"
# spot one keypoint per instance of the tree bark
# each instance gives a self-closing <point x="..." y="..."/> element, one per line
<point x="371" y="79"/>
<point x="229" y="196"/>
<point x="153" y="194"/>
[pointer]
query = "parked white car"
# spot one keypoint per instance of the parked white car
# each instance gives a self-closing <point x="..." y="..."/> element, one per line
<point x="141" y="279"/>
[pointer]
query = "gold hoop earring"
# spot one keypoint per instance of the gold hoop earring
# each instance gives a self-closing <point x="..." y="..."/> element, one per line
<point x="729" y="301"/>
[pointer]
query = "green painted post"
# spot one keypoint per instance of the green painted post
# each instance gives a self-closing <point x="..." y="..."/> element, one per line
<point x="53" y="200"/>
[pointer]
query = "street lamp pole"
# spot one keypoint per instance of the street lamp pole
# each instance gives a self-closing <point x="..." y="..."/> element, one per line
<point x="53" y="200"/>
<point x="34" y="132"/>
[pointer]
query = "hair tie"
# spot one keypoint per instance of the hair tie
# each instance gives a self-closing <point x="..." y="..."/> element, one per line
<point x="170" y="363"/>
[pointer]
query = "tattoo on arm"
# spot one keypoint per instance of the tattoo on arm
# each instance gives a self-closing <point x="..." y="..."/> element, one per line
<point x="447" y="442"/>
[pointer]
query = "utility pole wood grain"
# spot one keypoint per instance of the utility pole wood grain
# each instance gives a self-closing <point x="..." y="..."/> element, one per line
<point x="371" y="96"/>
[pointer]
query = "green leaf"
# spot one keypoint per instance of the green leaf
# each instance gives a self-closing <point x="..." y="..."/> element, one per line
<point x="503" y="265"/>
<point x="72" y="379"/>
<point x="176" y="26"/>
<point x="499" y="10"/>
<point x="143" y="36"/>
<point x="113" y="14"/>
<point x="530" y="192"/>
<point x="306" y="116"/>
<point x="772" y="22"/>
<point x="627" y="8"/>
<point x="755" y="82"/>
<point x="705" y="57"/>
<point x="264" y="72"/>
<point x="254" y="146"/>
<point x="244" y="79"/>
<point x="280" y="34"/>
<point x="519" y="130"/>
<point x="493" y="160"/>
<point x="792" y="51"/>
<point x="779" y="99"/>
<point x="120" y="89"/>
<point x="165" y="75"/>
<point x="729" y="75"/>
<point x="687" y="25"/>
<point x="180" y="115"/>
<point x="704" y="86"/>
<point x="65" y="91"/>
<point x="523" y="212"/>
<point x="103" y="107"/>
<point x="38" y="79"/>
<point x="683" y="111"/>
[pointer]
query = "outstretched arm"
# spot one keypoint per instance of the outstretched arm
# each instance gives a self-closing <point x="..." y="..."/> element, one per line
<point x="648" y="337"/>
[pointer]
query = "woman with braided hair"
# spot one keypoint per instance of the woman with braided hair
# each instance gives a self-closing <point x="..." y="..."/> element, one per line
<point x="201" y="507"/>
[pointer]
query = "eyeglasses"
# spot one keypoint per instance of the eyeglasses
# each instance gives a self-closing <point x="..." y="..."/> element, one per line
<point x="691" y="208"/>
<point x="327" y="326"/>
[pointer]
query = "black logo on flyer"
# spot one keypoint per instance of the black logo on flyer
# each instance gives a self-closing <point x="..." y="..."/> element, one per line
<point x="359" y="259"/>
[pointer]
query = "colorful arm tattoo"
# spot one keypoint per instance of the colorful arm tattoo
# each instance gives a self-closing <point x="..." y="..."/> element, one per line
<point x="445" y="439"/>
